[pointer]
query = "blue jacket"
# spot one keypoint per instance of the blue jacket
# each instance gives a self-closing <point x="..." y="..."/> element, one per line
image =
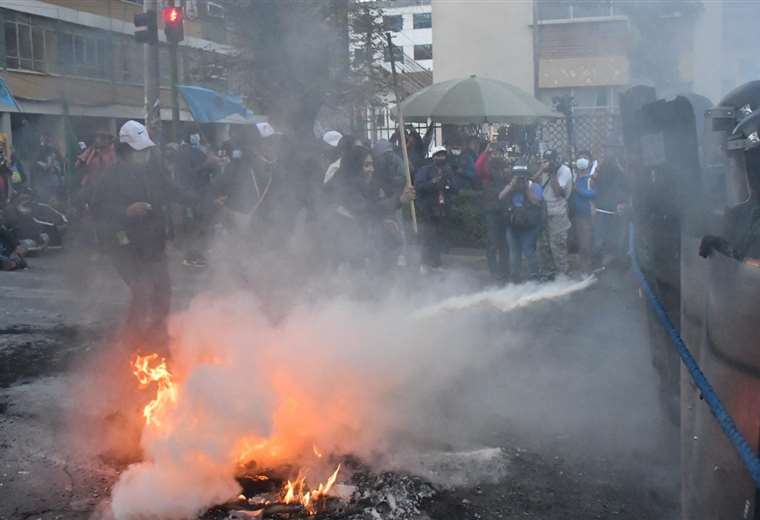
<point x="584" y="195"/>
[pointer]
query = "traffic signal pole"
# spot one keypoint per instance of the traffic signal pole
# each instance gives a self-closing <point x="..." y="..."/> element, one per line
<point x="175" y="96"/>
<point x="152" y="79"/>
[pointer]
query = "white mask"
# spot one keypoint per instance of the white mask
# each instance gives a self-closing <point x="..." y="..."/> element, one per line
<point x="582" y="164"/>
<point x="237" y="154"/>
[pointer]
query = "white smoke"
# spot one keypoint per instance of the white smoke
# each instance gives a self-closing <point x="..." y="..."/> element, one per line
<point x="349" y="376"/>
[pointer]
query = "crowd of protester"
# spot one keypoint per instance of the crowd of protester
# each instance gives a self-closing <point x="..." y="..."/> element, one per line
<point x="541" y="216"/>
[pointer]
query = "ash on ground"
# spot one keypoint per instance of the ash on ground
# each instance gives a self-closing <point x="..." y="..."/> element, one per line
<point x="368" y="494"/>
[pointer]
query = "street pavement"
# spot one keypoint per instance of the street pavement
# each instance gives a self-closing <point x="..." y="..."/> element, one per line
<point x="594" y="441"/>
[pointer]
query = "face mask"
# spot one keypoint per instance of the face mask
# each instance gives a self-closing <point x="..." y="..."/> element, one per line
<point x="439" y="161"/>
<point x="582" y="163"/>
<point x="237" y="154"/>
<point x="195" y="140"/>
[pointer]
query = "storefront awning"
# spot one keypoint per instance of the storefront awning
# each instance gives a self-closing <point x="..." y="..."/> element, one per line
<point x="7" y="101"/>
<point x="209" y="106"/>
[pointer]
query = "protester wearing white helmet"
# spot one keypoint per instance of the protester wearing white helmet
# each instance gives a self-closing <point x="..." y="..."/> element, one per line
<point x="434" y="186"/>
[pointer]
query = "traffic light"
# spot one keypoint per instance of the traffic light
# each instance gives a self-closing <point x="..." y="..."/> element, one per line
<point x="146" y="27"/>
<point x="173" y="28"/>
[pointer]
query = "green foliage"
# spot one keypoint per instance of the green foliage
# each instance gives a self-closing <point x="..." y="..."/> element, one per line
<point x="466" y="229"/>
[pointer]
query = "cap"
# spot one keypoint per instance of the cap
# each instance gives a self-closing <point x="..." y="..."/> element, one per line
<point x="332" y="137"/>
<point x="135" y="135"/>
<point x="265" y="129"/>
<point x="438" y="149"/>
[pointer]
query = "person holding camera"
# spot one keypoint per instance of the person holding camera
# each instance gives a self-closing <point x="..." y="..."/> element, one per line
<point x="557" y="182"/>
<point x="435" y="186"/>
<point x="524" y="218"/>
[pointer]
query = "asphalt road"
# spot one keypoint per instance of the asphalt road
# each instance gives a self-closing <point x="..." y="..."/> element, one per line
<point x="579" y="419"/>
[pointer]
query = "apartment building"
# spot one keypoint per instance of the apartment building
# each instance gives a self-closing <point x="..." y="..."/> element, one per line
<point x="78" y="60"/>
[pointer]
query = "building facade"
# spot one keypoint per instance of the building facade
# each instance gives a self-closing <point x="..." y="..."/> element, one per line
<point x="410" y="23"/>
<point x="76" y="62"/>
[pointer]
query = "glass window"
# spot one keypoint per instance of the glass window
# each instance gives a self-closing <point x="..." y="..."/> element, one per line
<point x="398" y="54"/>
<point x="25" y="46"/>
<point x="591" y="8"/>
<point x="553" y="9"/>
<point x="423" y="52"/>
<point x="393" y="23"/>
<point x="423" y="20"/>
<point x="11" y="45"/>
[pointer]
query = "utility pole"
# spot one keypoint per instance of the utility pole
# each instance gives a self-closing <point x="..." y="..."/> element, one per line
<point x="152" y="78"/>
<point x="175" y="33"/>
<point x="401" y="129"/>
<point x="175" y="97"/>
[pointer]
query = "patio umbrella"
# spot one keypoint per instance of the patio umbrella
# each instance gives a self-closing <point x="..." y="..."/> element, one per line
<point x="475" y="100"/>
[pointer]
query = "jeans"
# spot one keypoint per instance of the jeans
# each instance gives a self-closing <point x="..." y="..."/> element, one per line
<point x="522" y="243"/>
<point x="584" y="230"/>
<point x="496" y="244"/>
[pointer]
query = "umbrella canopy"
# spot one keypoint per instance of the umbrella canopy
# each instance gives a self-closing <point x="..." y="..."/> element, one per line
<point x="475" y="100"/>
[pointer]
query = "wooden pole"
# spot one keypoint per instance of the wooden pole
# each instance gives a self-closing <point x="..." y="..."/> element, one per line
<point x="402" y="132"/>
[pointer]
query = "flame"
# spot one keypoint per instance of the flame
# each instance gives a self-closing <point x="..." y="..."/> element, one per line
<point x="316" y="451"/>
<point x="293" y="492"/>
<point x="152" y="369"/>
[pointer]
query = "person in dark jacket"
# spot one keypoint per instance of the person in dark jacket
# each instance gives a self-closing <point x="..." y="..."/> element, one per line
<point x="435" y="186"/>
<point x="131" y="203"/>
<point x="494" y="218"/>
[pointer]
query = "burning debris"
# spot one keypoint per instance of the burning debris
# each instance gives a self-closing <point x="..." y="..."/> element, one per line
<point x="367" y="496"/>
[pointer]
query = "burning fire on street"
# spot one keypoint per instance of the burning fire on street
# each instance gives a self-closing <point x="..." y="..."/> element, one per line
<point x="296" y="419"/>
<point x="295" y="496"/>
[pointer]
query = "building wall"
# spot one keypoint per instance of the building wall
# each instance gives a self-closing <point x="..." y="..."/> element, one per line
<point x="484" y="37"/>
<point x="408" y="37"/>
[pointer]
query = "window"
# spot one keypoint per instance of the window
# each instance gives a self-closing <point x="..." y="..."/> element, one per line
<point x="26" y="44"/>
<point x="130" y="61"/>
<point x="215" y="10"/>
<point x="398" y="54"/>
<point x="423" y="20"/>
<point x="83" y="55"/>
<point x="393" y="23"/>
<point x="423" y="52"/>
<point x="567" y="9"/>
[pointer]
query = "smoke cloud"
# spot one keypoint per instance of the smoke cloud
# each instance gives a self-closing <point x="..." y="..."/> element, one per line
<point x="349" y="375"/>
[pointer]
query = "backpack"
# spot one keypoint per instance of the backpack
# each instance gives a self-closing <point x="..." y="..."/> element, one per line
<point x="526" y="216"/>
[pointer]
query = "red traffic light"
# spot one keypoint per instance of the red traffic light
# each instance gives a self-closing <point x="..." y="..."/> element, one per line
<point x="172" y="15"/>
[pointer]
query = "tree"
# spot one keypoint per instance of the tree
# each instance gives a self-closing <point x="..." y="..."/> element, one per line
<point x="293" y="57"/>
<point x="369" y="82"/>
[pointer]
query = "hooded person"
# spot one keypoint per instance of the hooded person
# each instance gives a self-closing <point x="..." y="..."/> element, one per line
<point x="131" y="204"/>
